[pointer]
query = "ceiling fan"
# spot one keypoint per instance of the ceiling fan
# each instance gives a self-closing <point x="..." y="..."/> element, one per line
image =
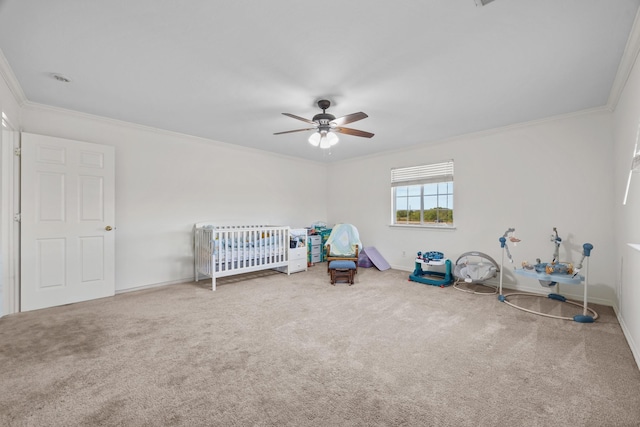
<point x="326" y="125"/>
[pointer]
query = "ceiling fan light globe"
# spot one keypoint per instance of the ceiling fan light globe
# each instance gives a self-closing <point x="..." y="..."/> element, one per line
<point x="324" y="142"/>
<point x="314" y="139"/>
<point x="332" y="138"/>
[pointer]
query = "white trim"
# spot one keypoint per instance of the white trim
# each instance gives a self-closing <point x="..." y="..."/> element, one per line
<point x="627" y="62"/>
<point x="33" y="106"/>
<point x="536" y="290"/>
<point x="10" y="78"/>
<point x="422" y="227"/>
<point x="10" y="229"/>
<point x="156" y="285"/>
<point x="627" y="335"/>
<point x="482" y="133"/>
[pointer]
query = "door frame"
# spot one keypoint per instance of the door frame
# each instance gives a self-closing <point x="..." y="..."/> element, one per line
<point x="67" y="237"/>
<point x="10" y="201"/>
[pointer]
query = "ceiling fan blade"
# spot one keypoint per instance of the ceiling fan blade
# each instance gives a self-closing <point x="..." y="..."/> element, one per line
<point x="349" y="118"/>
<point x="311" y="122"/>
<point x="354" y="132"/>
<point x="291" y="131"/>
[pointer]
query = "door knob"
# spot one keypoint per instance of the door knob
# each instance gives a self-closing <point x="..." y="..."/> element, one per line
<point x="108" y="228"/>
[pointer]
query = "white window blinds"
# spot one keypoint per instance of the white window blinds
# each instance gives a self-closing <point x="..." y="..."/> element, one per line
<point x="416" y="175"/>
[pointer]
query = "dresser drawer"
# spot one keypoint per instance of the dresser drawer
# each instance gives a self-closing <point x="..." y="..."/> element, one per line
<point x="299" y="253"/>
<point x="315" y="240"/>
<point x="297" y="265"/>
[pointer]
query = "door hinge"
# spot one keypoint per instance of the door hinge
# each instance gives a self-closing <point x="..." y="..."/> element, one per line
<point x="17" y="217"/>
<point x="17" y="151"/>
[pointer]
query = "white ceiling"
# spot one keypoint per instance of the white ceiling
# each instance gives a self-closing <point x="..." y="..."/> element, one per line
<point x="423" y="70"/>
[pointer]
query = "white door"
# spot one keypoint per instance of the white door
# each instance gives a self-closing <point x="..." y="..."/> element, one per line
<point x="67" y="221"/>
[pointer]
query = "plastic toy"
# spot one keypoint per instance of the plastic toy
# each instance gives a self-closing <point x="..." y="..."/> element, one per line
<point x="429" y="277"/>
<point x="550" y="274"/>
<point x="555" y="266"/>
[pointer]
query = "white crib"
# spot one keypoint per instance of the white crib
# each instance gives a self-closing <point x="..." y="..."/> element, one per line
<point x="229" y="250"/>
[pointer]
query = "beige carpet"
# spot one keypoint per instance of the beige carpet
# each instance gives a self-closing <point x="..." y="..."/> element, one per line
<point x="277" y="350"/>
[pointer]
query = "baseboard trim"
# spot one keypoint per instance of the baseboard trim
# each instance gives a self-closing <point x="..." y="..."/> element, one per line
<point x="627" y="335"/>
<point x="536" y="290"/>
<point x="155" y="285"/>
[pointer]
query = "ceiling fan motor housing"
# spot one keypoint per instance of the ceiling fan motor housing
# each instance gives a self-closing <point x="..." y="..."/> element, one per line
<point x="323" y="118"/>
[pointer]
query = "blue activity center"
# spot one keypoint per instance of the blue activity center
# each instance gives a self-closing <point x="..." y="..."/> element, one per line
<point x="432" y="277"/>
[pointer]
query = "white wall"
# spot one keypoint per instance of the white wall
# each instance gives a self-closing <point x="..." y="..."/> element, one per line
<point x="166" y="182"/>
<point x="533" y="177"/>
<point x="626" y="119"/>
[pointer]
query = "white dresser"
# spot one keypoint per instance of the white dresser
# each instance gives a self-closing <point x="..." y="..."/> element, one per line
<point x="298" y="250"/>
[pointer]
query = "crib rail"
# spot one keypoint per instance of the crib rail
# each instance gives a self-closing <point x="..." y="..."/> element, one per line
<point x="228" y="250"/>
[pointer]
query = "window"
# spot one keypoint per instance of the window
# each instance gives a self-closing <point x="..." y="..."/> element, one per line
<point x="635" y="165"/>
<point x="423" y="195"/>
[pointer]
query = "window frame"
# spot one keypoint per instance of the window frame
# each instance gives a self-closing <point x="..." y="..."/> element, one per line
<point x="416" y="178"/>
<point x="635" y="166"/>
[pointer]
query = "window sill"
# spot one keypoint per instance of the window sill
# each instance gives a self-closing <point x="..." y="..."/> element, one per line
<point x="428" y="227"/>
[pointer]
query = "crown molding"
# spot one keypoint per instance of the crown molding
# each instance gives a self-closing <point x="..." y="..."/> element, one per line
<point x="627" y="63"/>
<point x="483" y="133"/>
<point x="11" y="80"/>
<point x="108" y="121"/>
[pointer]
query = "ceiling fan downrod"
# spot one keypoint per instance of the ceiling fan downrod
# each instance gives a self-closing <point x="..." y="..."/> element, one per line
<point x="324" y="118"/>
